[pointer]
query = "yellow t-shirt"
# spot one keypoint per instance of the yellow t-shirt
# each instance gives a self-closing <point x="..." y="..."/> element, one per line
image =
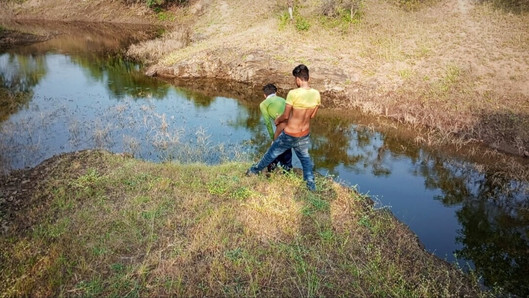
<point x="302" y="98"/>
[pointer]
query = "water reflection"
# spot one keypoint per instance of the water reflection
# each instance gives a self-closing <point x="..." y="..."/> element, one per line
<point x="20" y="74"/>
<point x="69" y="95"/>
<point x="122" y="78"/>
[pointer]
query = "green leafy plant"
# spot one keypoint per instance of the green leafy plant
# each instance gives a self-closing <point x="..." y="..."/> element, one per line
<point x="302" y="24"/>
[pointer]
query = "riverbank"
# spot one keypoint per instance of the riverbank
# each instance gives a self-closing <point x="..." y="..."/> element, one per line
<point x="95" y="223"/>
<point x="453" y="70"/>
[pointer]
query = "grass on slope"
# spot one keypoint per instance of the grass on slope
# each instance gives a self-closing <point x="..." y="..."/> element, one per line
<point x="107" y="225"/>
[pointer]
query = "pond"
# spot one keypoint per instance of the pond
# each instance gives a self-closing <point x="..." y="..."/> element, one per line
<point x="77" y="91"/>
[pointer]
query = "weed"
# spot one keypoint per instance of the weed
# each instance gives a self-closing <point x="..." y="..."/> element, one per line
<point x="284" y="20"/>
<point x="301" y="23"/>
<point x="241" y="193"/>
<point x="91" y="288"/>
<point x="165" y="16"/>
<point x="364" y="221"/>
<point x="405" y="74"/>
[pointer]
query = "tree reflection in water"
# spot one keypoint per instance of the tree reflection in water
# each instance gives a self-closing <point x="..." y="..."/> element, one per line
<point x="122" y="77"/>
<point x="19" y="74"/>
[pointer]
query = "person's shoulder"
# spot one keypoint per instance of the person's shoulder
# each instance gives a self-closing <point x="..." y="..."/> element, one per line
<point x="294" y="91"/>
<point x="279" y="97"/>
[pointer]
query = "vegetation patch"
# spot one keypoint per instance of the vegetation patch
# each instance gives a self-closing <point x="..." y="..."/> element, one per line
<point x="516" y="6"/>
<point x="99" y="224"/>
<point x="412" y="4"/>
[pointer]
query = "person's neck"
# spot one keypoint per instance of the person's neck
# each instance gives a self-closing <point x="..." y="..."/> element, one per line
<point x="304" y="85"/>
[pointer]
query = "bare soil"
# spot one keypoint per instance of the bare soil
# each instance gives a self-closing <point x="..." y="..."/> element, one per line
<point x="455" y="70"/>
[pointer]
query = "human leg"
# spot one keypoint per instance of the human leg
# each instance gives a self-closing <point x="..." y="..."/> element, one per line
<point x="279" y="146"/>
<point x="301" y="148"/>
<point x="285" y="160"/>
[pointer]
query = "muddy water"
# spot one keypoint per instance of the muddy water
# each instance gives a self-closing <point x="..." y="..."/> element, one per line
<point x="75" y="91"/>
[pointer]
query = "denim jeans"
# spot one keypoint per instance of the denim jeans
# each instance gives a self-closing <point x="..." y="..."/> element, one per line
<point x="285" y="160"/>
<point x="283" y="143"/>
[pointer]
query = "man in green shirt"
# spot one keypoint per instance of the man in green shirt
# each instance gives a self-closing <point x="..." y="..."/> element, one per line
<point x="272" y="107"/>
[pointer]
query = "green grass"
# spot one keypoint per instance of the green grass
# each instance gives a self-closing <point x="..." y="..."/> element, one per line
<point x="106" y="225"/>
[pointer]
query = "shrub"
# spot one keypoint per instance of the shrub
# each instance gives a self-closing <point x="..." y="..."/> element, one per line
<point x="301" y="23"/>
<point x="341" y="13"/>
<point x="336" y="8"/>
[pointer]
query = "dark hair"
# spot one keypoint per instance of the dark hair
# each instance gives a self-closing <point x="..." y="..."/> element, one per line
<point x="301" y="71"/>
<point x="269" y="89"/>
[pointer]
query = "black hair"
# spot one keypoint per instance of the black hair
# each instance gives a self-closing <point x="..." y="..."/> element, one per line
<point x="301" y="71"/>
<point x="269" y="89"/>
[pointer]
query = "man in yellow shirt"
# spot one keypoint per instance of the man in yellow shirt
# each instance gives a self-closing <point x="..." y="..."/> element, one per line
<point x="301" y="106"/>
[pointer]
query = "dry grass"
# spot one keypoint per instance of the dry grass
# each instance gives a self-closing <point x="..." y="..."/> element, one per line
<point x="102" y="224"/>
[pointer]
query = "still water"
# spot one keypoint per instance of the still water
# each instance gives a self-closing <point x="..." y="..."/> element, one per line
<point x="75" y="91"/>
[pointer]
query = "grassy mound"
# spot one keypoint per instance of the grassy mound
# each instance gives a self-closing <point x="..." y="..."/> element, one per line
<point x="94" y="223"/>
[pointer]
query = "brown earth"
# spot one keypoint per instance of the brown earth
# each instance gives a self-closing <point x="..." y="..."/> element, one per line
<point x="10" y="38"/>
<point x="455" y="71"/>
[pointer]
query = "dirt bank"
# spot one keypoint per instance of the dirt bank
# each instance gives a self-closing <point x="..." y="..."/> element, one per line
<point x="67" y="11"/>
<point x="454" y="70"/>
<point x="10" y="38"/>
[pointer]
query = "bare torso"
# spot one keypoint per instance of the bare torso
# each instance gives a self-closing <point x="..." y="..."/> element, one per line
<point x="297" y="120"/>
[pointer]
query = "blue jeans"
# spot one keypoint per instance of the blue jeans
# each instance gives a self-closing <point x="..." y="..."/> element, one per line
<point x="283" y="143"/>
<point x="284" y="160"/>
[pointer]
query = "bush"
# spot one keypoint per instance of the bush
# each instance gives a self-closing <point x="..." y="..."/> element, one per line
<point x="341" y="13"/>
<point x="301" y="23"/>
<point x="337" y="8"/>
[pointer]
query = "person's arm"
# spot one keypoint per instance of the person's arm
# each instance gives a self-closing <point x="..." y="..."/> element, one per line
<point x="317" y="107"/>
<point x="284" y="117"/>
<point x="266" y="116"/>
<point x="314" y="112"/>
<point x="279" y="129"/>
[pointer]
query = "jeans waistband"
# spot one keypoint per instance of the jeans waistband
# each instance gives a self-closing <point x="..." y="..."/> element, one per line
<point x="298" y="134"/>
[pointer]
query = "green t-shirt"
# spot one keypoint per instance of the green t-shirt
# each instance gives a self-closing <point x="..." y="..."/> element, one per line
<point x="271" y="108"/>
<point x="302" y="98"/>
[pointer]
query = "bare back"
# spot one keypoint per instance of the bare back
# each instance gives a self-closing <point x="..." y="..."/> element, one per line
<point x="299" y="120"/>
<point x="301" y="105"/>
